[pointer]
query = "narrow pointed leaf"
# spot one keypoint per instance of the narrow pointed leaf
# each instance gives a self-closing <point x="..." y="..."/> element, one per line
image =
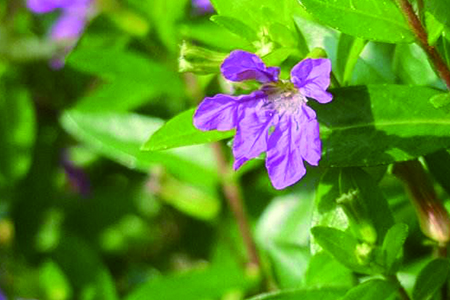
<point x="430" y="279"/>
<point x="180" y="131"/>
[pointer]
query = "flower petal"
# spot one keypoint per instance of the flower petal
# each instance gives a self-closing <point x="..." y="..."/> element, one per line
<point x="42" y="6"/>
<point x="203" y="6"/>
<point x="284" y="161"/>
<point x="241" y="65"/>
<point x="68" y="27"/>
<point x="312" y="78"/>
<point x="221" y="111"/>
<point x="252" y="134"/>
<point x="310" y="144"/>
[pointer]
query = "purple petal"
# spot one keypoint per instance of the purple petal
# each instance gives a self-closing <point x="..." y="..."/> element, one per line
<point x="284" y="161"/>
<point x="203" y="6"/>
<point x="310" y="144"/>
<point x="241" y="65"/>
<point x="252" y="134"/>
<point x="68" y="27"/>
<point x="42" y="6"/>
<point x="45" y="6"/>
<point x="312" y="78"/>
<point x="221" y="111"/>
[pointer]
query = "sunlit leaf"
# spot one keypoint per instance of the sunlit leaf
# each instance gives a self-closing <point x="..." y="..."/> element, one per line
<point x="377" y="20"/>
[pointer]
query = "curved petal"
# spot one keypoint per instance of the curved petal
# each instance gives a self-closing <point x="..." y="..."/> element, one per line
<point x="217" y="113"/>
<point x="312" y="78"/>
<point x="68" y="27"/>
<point x="251" y="134"/>
<point x="241" y="65"/>
<point x="42" y="6"/>
<point x="284" y="161"/>
<point x="310" y="144"/>
<point x="221" y="111"/>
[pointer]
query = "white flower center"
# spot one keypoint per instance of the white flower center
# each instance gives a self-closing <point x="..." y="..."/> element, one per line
<point x="284" y="97"/>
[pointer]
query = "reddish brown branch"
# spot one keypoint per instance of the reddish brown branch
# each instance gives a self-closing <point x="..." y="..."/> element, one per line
<point x="233" y="196"/>
<point x="422" y="37"/>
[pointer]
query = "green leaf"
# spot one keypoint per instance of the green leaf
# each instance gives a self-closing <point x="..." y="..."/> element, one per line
<point x="165" y="16"/>
<point x="17" y="132"/>
<point x="377" y="20"/>
<point x="430" y="279"/>
<point x="314" y="35"/>
<point x="54" y="282"/>
<point x="131" y="79"/>
<point x="119" y="137"/>
<point x="189" y="199"/>
<point x="374" y="289"/>
<point x="393" y="246"/>
<point x="216" y="36"/>
<point x="365" y="205"/>
<point x="324" y="271"/>
<point x="210" y="283"/>
<point x="326" y="211"/>
<point x="281" y="233"/>
<point x="120" y="95"/>
<point x="349" y="50"/>
<point x="356" y="193"/>
<point x="438" y="164"/>
<point x="412" y="66"/>
<point x="303" y="294"/>
<point x="375" y="65"/>
<point x="85" y="270"/>
<point x="278" y="56"/>
<point x="180" y="131"/>
<point x="282" y="35"/>
<point x="379" y="124"/>
<point x="258" y="14"/>
<point x="440" y="9"/>
<point x="235" y="26"/>
<point x="434" y="28"/>
<point x="343" y="247"/>
<point x="441" y="101"/>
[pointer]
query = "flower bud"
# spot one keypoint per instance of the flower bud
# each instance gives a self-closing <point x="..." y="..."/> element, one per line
<point x="433" y="217"/>
<point x="199" y="60"/>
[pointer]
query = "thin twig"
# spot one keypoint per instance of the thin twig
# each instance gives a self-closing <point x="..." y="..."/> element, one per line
<point x="233" y="196"/>
<point x="422" y="37"/>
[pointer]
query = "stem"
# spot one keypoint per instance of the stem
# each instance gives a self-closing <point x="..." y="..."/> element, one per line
<point x="422" y="38"/>
<point x="233" y="196"/>
<point x="441" y="252"/>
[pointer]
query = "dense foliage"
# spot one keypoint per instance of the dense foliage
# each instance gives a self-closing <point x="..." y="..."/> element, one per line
<point x="109" y="190"/>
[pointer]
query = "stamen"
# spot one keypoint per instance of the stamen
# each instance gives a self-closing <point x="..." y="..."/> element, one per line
<point x="283" y="97"/>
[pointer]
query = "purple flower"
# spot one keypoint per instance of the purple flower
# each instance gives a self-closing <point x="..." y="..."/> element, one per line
<point x="70" y="25"/>
<point x="73" y="18"/>
<point x="202" y="6"/>
<point x="274" y="119"/>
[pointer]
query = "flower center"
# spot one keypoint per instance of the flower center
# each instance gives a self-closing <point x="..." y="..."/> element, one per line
<point x="283" y="97"/>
